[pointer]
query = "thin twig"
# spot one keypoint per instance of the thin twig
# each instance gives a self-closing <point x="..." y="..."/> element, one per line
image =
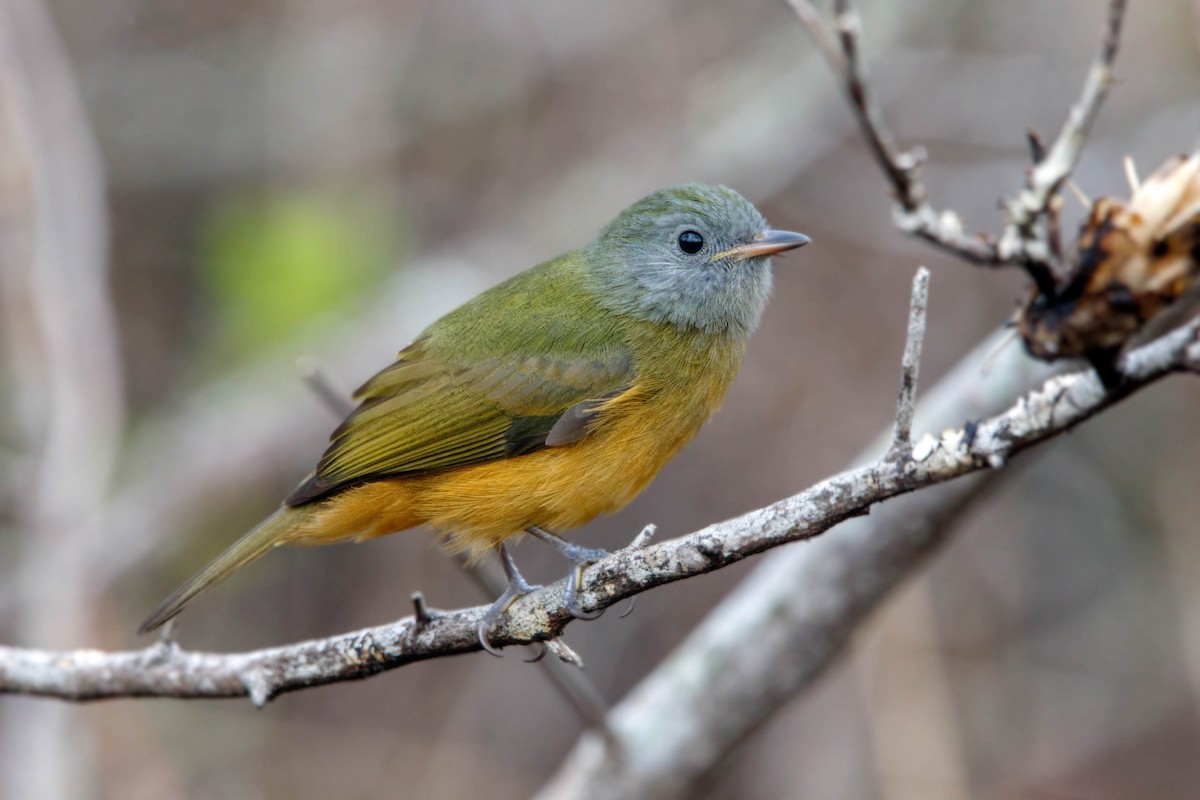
<point x="1021" y="239"/>
<point x="316" y="378"/>
<point x="641" y="540"/>
<point x="900" y="167"/>
<point x="421" y="612"/>
<point x="913" y="214"/>
<point x="565" y="653"/>
<point x="567" y="679"/>
<point x="1024" y="241"/>
<point x="910" y="365"/>
<point x="1060" y="404"/>
<point x="1131" y="175"/>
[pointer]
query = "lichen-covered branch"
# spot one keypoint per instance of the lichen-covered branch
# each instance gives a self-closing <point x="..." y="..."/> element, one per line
<point x="790" y="619"/>
<point x="1056" y="406"/>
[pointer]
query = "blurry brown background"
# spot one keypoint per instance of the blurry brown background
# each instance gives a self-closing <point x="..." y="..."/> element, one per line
<point x="322" y="178"/>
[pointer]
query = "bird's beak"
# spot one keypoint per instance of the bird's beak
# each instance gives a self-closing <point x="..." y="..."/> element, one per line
<point x="767" y="243"/>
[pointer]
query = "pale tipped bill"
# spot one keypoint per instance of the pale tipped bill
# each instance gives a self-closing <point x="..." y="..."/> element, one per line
<point x="767" y="243"/>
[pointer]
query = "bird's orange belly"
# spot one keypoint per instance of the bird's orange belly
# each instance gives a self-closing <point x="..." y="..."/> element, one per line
<point x="557" y="488"/>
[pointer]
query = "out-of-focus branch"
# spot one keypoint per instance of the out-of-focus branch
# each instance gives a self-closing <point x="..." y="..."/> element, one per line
<point x="63" y="350"/>
<point x="1024" y="241"/>
<point x="59" y="323"/>
<point x="1057" y="406"/>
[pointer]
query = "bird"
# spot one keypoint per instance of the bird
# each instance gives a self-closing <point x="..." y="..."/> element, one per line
<point x="543" y="402"/>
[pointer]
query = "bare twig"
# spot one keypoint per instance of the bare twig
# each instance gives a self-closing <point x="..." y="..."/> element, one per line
<point x="641" y="540"/>
<point x="317" y="379"/>
<point x="1021" y="240"/>
<point x="1057" y="406"/>
<point x="1024" y="241"/>
<point x="421" y="613"/>
<point x="913" y="213"/>
<point x="565" y="653"/>
<point x="910" y="365"/>
<point x="899" y="166"/>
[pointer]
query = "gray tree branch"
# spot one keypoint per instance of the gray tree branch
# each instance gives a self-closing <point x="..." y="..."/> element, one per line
<point x="1021" y="239"/>
<point x="789" y="620"/>
<point x="910" y="365"/>
<point x="165" y="670"/>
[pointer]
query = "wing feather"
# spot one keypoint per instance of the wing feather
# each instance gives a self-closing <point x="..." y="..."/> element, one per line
<point x="423" y="414"/>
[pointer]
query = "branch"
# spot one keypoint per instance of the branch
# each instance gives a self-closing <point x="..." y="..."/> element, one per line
<point x="910" y="365"/>
<point x="167" y="671"/>
<point x="1023" y="241"/>
<point x="913" y="213"/>
<point x="789" y="620"/>
<point x="779" y="630"/>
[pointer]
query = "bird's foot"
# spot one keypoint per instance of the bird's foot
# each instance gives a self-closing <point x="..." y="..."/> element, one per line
<point x="581" y="558"/>
<point x="517" y="588"/>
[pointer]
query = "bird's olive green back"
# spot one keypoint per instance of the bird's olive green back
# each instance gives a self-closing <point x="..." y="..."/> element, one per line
<point x="490" y="380"/>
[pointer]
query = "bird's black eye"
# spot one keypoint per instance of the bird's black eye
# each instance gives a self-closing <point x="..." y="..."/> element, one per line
<point x="690" y="242"/>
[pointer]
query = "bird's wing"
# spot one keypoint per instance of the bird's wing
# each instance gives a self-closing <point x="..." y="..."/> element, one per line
<point x="428" y="412"/>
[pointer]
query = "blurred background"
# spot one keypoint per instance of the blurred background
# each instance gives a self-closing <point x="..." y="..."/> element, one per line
<point x="320" y="179"/>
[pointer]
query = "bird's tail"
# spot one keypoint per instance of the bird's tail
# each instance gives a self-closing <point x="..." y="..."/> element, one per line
<point x="272" y="531"/>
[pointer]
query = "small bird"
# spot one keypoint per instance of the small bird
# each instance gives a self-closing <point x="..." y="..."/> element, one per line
<point x="545" y="401"/>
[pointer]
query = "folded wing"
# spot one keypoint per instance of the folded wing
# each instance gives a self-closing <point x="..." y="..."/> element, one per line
<point x="426" y="413"/>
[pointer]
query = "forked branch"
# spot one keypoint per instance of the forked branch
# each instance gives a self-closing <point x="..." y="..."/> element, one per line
<point x="1025" y="240"/>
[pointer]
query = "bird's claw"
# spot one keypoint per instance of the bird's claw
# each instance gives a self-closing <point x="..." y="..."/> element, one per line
<point x="581" y="558"/>
<point x="629" y="609"/>
<point x="517" y="588"/>
<point x="571" y="596"/>
<point x="540" y="650"/>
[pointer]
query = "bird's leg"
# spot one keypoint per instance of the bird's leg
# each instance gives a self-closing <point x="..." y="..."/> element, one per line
<point x="517" y="587"/>
<point x="581" y="558"/>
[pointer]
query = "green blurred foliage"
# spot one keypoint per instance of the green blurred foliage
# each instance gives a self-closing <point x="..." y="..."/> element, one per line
<point x="273" y="263"/>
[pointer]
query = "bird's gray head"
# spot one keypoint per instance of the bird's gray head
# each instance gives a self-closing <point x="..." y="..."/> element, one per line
<point x="697" y="256"/>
